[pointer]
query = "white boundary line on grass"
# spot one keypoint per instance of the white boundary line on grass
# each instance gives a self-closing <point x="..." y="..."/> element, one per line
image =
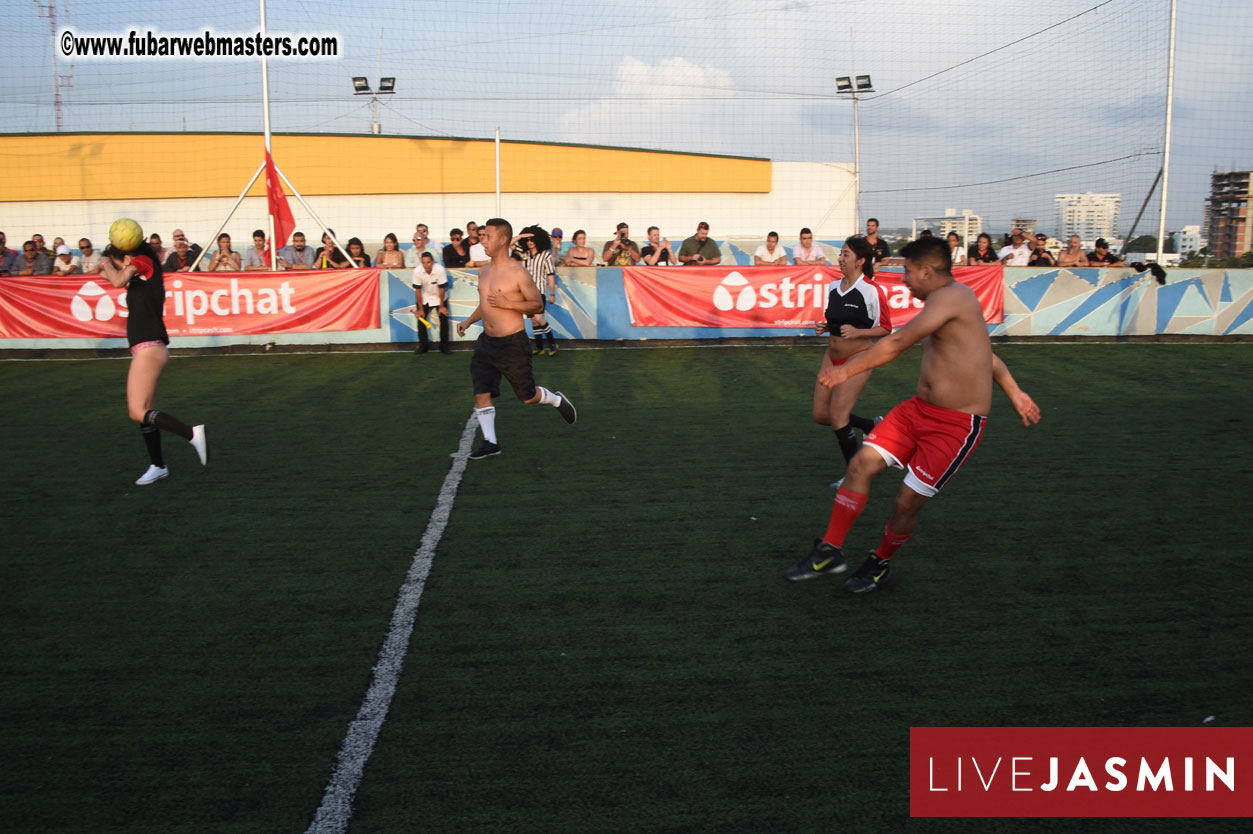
<point x="336" y="808"/>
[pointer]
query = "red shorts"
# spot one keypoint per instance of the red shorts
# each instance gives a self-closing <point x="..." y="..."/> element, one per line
<point x="929" y="441"/>
<point x="839" y="362"/>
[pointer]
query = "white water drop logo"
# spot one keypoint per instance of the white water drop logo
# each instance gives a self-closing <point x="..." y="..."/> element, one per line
<point x="745" y="300"/>
<point x="83" y="310"/>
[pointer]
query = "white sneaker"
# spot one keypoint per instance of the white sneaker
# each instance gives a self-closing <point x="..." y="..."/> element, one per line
<point x="200" y="443"/>
<point x="154" y="474"/>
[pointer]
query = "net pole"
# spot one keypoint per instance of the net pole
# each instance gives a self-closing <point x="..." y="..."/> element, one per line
<point x="265" y="108"/>
<point x="1170" y="102"/>
<point x="498" y="171"/>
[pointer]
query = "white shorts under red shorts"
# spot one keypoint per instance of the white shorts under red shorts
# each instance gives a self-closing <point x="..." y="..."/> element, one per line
<point x="928" y="441"/>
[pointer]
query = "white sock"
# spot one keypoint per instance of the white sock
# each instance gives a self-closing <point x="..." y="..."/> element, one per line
<point x="547" y="397"/>
<point x="487" y="422"/>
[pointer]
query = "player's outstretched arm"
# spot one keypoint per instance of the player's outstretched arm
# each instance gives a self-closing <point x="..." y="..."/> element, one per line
<point x="1021" y="400"/>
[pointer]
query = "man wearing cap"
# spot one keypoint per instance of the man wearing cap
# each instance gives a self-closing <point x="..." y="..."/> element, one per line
<point x="556" y="235"/>
<point x="620" y="250"/>
<point x="658" y="251"/>
<point x="1101" y="256"/>
<point x="699" y="250"/>
<point x="1018" y="253"/>
<point x="65" y="263"/>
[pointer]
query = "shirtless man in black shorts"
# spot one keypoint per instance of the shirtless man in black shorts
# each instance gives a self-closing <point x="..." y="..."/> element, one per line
<point x="507" y="295"/>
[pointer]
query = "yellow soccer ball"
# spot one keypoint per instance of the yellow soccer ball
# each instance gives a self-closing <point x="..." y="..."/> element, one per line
<point x="125" y="234"/>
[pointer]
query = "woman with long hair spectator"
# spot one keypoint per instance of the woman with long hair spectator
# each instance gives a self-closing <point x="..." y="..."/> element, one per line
<point x="581" y="254"/>
<point x="329" y="256"/>
<point x="390" y="256"/>
<point x="857" y="312"/>
<point x="982" y="252"/>
<point x="225" y="259"/>
<point x="356" y="252"/>
<point x="139" y="270"/>
<point x="955" y="249"/>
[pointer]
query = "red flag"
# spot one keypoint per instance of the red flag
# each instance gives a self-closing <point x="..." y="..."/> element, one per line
<point x="284" y="223"/>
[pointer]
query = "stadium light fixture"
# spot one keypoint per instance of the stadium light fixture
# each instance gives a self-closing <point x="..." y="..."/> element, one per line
<point x="361" y="87"/>
<point x="852" y="86"/>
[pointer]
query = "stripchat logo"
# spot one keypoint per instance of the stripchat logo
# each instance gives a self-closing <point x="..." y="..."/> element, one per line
<point x="735" y="292"/>
<point x="93" y="303"/>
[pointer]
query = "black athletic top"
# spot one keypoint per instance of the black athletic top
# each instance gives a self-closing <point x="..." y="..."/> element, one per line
<point x="864" y="306"/>
<point x="988" y="256"/>
<point x="145" y="298"/>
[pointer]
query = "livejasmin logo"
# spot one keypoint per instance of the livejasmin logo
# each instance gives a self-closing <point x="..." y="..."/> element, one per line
<point x="1080" y="771"/>
<point x="1023" y="774"/>
<point x="93" y="302"/>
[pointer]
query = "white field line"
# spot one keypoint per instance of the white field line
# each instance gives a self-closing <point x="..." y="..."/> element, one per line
<point x="651" y="345"/>
<point x="336" y="808"/>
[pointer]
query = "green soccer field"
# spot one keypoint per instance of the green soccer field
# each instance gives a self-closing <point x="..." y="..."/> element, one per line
<point x="606" y="642"/>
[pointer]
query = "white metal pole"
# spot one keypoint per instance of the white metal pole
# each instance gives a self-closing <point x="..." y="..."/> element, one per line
<point x="498" y="171"/>
<point x="265" y="106"/>
<point x="1170" y="101"/>
<point x="856" y="165"/>
<point x="230" y="214"/>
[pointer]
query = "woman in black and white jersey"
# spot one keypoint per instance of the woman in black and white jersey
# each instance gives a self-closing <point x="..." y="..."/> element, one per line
<point x="857" y="313"/>
<point x="139" y="271"/>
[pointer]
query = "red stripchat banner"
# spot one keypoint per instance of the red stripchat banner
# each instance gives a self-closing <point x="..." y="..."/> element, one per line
<point x="1081" y="771"/>
<point x="774" y="296"/>
<point x="196" y="304"/>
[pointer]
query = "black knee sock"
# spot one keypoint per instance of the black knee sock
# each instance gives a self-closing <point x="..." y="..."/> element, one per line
<point x="863" y="423"/>
<point x="848" y="442"/>
<point x="552" y="337"/>
<point x="167" y="422"/>
<point x="539" y="337"/>
<point x="152" y="439"/>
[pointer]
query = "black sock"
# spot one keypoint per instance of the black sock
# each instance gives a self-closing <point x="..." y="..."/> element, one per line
<point x="552" y="337"/>
<point x="848" y="442"/>
<point x="152" y="439"/>
<point x="863" y="423"/>
<point x="539" y="338"/>
<point x="167" y="422"/>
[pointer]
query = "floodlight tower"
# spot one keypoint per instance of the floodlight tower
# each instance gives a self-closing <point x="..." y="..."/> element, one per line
<point x="854" y="86"/>
<point x="361" y="87"/>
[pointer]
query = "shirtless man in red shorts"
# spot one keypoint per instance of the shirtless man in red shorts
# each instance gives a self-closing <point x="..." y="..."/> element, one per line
<point x="929" y="435"/>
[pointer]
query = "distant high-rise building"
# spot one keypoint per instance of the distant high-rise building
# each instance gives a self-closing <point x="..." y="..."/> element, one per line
<point x="1027" y="224"/>
<point x="1229" y="232"/>
<point x="968" y="225"/>
<point x="1189" y="240"/>
<point x="1088" y="215"/>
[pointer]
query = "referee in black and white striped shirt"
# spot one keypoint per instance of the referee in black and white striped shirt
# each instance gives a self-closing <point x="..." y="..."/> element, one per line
<point x="537" y="255"/>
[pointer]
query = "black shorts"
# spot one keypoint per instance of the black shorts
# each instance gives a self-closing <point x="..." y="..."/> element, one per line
<point x="507" y="356"/>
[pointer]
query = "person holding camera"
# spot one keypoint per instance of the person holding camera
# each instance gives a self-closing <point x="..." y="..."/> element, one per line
<point x="658" y="252"/>
<point x="621" y="250"/>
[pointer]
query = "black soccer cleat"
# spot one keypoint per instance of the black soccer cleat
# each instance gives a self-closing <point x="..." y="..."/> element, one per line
<point x="566" y="409"/>
<point x="872" y="573"/>
<point x="486" y="450"/>
<point x="825" y="559"/>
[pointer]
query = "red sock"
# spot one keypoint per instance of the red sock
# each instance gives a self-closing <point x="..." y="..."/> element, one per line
<point x="891" y="542"/>
<point x="848" y="505"/>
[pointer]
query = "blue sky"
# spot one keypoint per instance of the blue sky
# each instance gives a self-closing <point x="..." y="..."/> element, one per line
<point x="967" y="92"/>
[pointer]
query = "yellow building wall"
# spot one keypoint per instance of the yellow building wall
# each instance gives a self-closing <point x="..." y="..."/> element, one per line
<point x="181" y="165"/>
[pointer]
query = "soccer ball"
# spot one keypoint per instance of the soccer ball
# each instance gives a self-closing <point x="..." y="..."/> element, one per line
<point x="125" y="234"/>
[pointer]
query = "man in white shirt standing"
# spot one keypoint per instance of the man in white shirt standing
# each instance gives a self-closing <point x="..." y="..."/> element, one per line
<point x="430" y="282"/>
<point x="808" y="253"/>
<point x="770" y="253"/>
<point x="1018" y="253"/>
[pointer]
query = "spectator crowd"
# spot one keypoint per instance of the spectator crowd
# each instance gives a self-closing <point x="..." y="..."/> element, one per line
<point x="464" y="251"/>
